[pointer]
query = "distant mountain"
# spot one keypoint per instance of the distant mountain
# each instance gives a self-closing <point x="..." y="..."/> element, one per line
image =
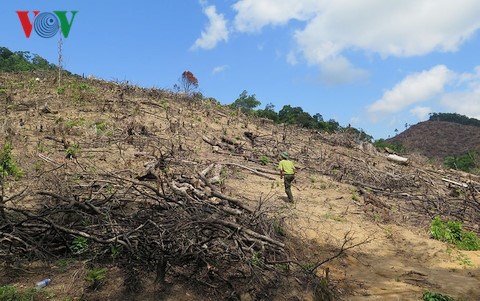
<point x="439" y="139"/>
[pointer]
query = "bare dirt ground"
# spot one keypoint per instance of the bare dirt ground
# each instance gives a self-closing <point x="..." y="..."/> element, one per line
<point x="400" y="262"/>
<point x="344" y="192"/>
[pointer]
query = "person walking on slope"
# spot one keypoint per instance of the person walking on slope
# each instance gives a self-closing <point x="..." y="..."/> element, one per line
<point x="287" y="172"/>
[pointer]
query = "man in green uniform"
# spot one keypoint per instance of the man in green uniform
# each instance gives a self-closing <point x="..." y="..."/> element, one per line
<point x="287" y="172"/>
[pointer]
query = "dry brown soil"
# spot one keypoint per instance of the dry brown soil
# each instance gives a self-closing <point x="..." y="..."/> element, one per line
<point x="399" y="262"/>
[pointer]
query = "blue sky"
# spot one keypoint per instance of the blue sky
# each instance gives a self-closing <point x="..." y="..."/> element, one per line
<point x="374" y="64"/>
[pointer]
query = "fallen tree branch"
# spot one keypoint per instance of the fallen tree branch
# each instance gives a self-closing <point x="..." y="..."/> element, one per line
<point x="224" y="197"/>
<point x="251" y="170"/>
<point x="247" y="231"/>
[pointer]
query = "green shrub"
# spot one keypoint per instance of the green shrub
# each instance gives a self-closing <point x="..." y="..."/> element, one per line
<point x="79" y="245"/>
<point x="96" y="277"/>
<point x="10" y="293"/>
<point x="469" y="241"/>
<point x="7" y="293"/>
<point x="102" y="128"/>
<point x="75" y="123"/>
<point x="72" y="151"/>
<point x="264" y="160"/>
<point x="465" y="162"/>
<point x="431" y="296"/>
<point x="453" y="232"/>
<point x="8" y="166"/>
<point x="381" y="143"/>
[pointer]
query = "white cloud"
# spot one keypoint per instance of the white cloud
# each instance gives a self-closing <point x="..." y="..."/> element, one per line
<point x="253" y="15"/>
<point x="215" y="32"/>
<point x="388" y="28"/>
<point x="465" y="103"/>
<point x="398" y="28"/>
<point x="414" y="88"/>
<point x="465" y="97"/>
<point x="421" y="112"/>
<point x="462" y="97"/>
<point x="292" y="58"/>
<point x="219" y="69"/>
<point x="340" y="71"/>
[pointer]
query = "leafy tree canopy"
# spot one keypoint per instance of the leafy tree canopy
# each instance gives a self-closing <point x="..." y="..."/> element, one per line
<point x="296" y="115"/>
<point x="268" y="112"/>
<point x="245" y="102"/>
<point x="22" y="61"/>
<point x="454" y="117"/>
<point x="468" y="162"/>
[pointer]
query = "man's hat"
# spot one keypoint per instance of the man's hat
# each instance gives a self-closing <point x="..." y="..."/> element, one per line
<point x="284" y="155"/>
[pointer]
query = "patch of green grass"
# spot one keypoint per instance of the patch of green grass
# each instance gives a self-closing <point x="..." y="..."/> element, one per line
<point x="83" y="87"/>
<point x="164" y="104"/>
<point x="72" y="151"/>
<point x="377" y="217"/>
<point x="115" y="251"/>
<point x="61" y="90"/>
<point x="79" y="245"/>
<point x="464" y="260"/>
<point x="63" y="264"/>
<point x="256" y="259"/>
<point x="264" y="160"/>
<point x="8" y="165"/>
<point x="432" y="296"/>
<point x="10" y="293"/>
<point x="284" y="267"/>
<point x="381" y="143"/>
<point x="334" y="217"/>
<point x="96" y="277"/>
<point x="308" y="268"/>
<point x="103" y="128"/>
<point x="75" y="123"/>
<point x="453" y="232"/>
<point x="355" y="196"/>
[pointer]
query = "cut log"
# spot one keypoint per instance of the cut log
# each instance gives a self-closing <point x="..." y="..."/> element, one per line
<point x="397" y="159"/>
<point x="455" y="183"/>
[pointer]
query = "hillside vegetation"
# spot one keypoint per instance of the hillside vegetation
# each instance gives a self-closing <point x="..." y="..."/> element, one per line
<point x="445" y="141"/>
<point x="454" y="117"/>
<point x="127" y="193"/>
<point x="22" y="61"/>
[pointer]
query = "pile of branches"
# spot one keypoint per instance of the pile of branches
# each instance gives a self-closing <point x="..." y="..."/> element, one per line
<point x="175" y="228"/>
<point x="420" y="193"/>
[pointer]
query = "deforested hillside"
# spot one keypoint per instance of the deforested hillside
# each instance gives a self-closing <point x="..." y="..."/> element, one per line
<point x="439" y="139"/>
<point x="128" y="193"/>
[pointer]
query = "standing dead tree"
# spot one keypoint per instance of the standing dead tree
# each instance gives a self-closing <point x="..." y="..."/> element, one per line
<point x="187" y="83"/>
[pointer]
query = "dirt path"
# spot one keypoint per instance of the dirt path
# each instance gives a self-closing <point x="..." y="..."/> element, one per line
<point x="400" y="263"/>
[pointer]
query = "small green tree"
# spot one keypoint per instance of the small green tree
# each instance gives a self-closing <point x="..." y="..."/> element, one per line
<point x="268" y="112"/>
<point x="452" y="232"/>
<point x="466" y="162"/>
<point x="245" y="102"/>
<point x="8" y="167"/>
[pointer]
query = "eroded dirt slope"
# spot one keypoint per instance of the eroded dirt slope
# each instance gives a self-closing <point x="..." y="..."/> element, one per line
<point x="344" y="191"/>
